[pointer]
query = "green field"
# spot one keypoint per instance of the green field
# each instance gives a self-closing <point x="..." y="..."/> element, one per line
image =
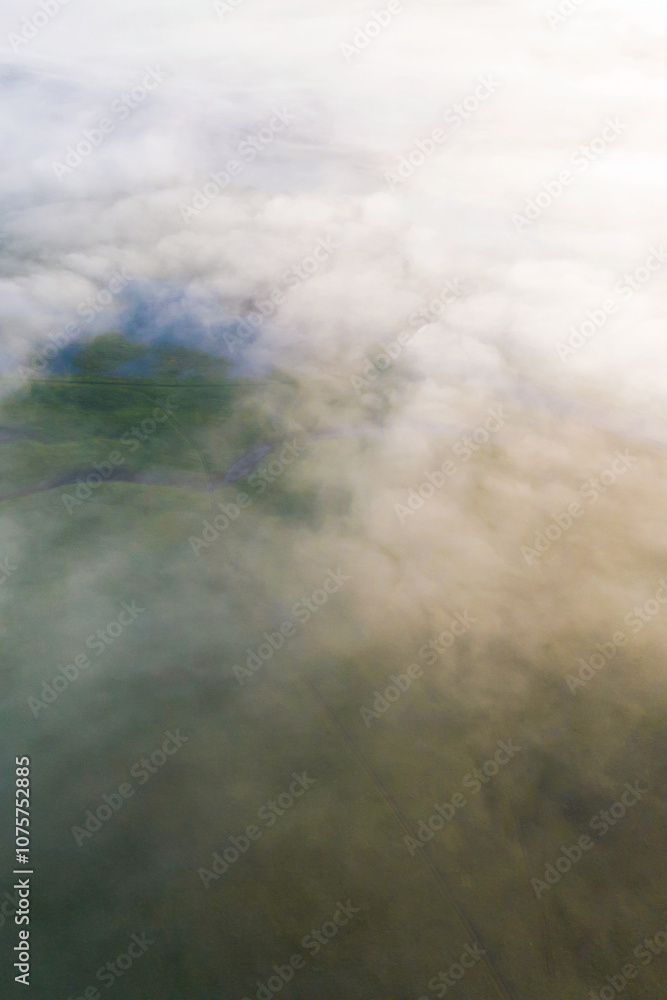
<point x="375" y="784"/>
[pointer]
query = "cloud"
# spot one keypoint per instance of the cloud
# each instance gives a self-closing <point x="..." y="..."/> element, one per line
<point x="395" y="248"/>
<point x="352" y="122"/>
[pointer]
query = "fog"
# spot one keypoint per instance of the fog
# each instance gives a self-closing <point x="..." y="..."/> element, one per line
<point x="399" y="296"/>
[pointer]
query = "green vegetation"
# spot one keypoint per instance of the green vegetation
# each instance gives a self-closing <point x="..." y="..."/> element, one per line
<point x="70" y="424"/>
<point x="300" y="712"/>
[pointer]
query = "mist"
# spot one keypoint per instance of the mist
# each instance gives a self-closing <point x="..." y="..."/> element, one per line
<point x="332" y="585"/>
